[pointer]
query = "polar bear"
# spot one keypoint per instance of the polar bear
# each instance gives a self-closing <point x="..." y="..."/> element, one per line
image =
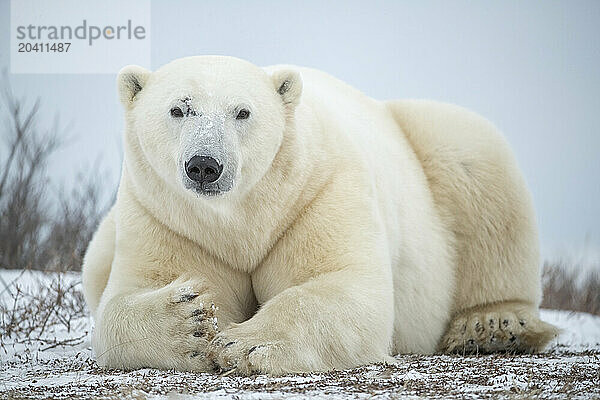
<point x="277" y="220"/>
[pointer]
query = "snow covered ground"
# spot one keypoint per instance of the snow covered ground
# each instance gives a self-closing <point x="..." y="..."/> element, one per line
<point x="47" y="354"/>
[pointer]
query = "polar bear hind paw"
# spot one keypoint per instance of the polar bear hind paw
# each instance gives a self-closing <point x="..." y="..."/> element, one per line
<point x="509" y="327"/>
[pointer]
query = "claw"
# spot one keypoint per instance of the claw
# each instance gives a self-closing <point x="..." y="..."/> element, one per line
<point x="228" y="372"/>
<point x="198" y="312"/>
<point x="478" y="327"/>
<point x="184" y="298"/>
<point x="198" y="333"/>
<point x="215" y="367"/>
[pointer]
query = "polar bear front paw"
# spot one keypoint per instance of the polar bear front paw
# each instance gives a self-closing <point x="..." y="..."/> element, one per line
<point x="232" y="351"/>
<point x="194" y="323"/>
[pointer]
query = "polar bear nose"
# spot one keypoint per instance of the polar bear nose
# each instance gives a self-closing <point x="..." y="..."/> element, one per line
<point x="203" y="169"/>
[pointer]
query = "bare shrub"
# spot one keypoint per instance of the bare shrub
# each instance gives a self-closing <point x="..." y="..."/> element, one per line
<point x="51" y="302"/>
<point x="40" y="227"/>
<point x="77" y="216"/>
<point x="40" y="312"/>
<point x="567" y="287"/>
<point x="23" y="185"/>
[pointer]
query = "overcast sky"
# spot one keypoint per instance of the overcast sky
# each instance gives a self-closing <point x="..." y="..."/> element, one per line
<point x="532" y="68"/>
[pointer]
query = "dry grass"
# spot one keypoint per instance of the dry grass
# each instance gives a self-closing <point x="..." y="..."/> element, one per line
<point x="556" y="376"/>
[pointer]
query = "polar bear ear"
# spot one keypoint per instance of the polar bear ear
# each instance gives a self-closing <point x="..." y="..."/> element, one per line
<point x="130" y="81"/>
<point x="288" y="84"/>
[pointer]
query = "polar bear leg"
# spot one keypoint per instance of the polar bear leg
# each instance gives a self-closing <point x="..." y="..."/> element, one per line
<point x="337" y="320"/>
<point x="509" y="326"/>
<point x="98" y="260"/>
<point x="483" y="200"/>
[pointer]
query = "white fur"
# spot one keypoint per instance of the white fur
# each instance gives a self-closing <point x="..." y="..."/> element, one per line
<point x="337" y="226"/>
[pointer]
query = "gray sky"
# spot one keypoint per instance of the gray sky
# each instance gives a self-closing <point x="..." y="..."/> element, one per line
<point x="532" y="68"/>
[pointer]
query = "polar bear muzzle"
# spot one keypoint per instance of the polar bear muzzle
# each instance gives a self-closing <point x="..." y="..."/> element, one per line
<point x="207" y="158"/>
<point x="203" y="169"/>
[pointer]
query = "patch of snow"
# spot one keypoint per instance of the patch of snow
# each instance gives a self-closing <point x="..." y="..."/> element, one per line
<point x="579" y="330"/>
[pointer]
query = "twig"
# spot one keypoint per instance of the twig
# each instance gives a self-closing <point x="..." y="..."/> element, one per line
<point x="64" y="342"/>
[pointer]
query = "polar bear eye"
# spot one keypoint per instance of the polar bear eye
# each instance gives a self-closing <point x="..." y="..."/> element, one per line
<point x="176" y="112"/>
<point x="243" y="114"/>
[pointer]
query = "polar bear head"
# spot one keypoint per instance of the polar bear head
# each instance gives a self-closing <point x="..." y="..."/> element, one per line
<point x="208" y="126"/>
